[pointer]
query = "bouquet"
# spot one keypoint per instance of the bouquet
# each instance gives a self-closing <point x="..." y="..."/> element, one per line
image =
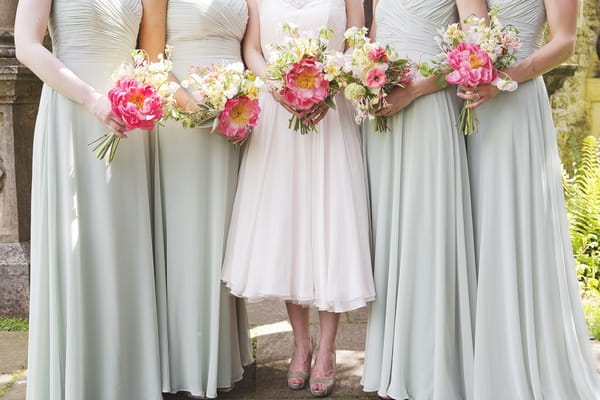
<point x="227" y="98"/>
<point x="304" y="72"/>
<point x="370" y="73"/>
<point x="140" y="96"/>
<point x="475" y="57"/>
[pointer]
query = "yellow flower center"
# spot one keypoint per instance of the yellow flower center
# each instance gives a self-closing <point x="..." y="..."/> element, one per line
<point x="239" y="114"/>
<point x="475" y="61"/>
<point x="306" y="80"/>
<point x="137" y="99"/>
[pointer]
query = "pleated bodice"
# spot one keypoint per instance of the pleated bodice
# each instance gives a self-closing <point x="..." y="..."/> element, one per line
<point x="205" y="32"/>
<point x="98" y="32"/>
<point x="529" y="17"/>
<point x="309" y="15"/>
<point x="420" y="22"/>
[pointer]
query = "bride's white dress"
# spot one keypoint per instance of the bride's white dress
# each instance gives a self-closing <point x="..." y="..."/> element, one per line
<point x="299" y="228"/>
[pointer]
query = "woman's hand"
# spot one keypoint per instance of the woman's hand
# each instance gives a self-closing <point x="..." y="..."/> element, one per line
<point x="279" y="98"/>
<point x="401" y="97"/>
<point x="315" y="114"/>
<point x="100" y="107"/>
<point x="478" y="95"/>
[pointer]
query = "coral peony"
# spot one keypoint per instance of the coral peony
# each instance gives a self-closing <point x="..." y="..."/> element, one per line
<point x="137" y="104"/>
<point x="305" y="84"/>
<point x="472" y="66"/>
<point x="239" y="116"/>
<point x="375" y="78"/>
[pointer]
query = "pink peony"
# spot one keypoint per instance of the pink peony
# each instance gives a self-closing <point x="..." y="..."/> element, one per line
<point x="378" y="54"/>
<point x="375" y="78"/>
<point x="305" y="84"/>
<point x="472" y="66"/>
<point x="240" y="114"/>
<point x="137" y="104"/>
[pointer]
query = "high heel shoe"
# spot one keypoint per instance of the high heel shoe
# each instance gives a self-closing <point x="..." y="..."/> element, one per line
<point x="300" y="375"/>
<point x="329" y="383"/>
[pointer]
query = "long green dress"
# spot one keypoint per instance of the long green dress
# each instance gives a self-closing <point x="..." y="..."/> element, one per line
<point x="420" y="338"/>
<point x="93" y="322"/>
<point x="203" y="330"/>
<point x="531" y="339"/>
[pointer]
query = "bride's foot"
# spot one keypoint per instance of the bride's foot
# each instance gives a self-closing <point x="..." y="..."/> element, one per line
<point x="322" y="378"/>
<point x="299" y="365"/>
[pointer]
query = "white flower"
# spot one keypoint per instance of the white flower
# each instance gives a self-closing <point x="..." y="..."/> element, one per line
<point x="505" y="85"/>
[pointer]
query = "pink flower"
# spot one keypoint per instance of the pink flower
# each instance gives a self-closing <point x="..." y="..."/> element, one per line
<point x="137" y="104"/>
<point x="305" y="84"/>
<point x="240" y="114"/>
<point x="375" y="78"/>
<point x="472" y="66"/>
<point x="378" y="54"/>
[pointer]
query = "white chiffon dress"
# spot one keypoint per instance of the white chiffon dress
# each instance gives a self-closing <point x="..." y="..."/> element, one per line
<point x="299" y="228"/>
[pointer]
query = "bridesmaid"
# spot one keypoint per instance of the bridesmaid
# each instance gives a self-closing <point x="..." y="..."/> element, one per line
<point x="203" y="330"/>
<point x="420" y="337"/>
<point x="93" y="332"/>
<point x="300" y="223"/>
<point x="531" y="341"/>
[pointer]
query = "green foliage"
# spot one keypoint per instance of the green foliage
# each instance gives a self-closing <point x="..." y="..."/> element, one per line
<point x="14" y="324"/>
<point x="582" y="191"/>
<point x="591" y="308"/>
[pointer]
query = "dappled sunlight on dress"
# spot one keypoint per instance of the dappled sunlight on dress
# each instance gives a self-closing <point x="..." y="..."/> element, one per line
<point x="93" y="330"/>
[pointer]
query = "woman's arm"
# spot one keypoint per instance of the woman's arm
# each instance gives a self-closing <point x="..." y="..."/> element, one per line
<point x="252" y="50"/>
<point x="152" y="39"/>
<point x="30" y="26"/>
<point x="251" y="46"/>
<point x="466" y="8"/>
<point x="355" y="14"/>
<point x="153" y="28"/>
<point x="562" y="24"/>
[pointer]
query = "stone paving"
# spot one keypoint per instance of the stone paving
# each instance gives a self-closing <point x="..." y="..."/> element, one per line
<point x="265" y="380"/>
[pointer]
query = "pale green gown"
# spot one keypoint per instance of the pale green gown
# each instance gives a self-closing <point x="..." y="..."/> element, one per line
<point x="93" y="323"/>
<point x="203" y="330"/>
<point x="531" y="340"/>
<point x="420" y="337"/>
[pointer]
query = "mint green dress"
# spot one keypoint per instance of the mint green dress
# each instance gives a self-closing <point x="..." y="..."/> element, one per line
<point x="420" y="337"/>
<point x="203" y="330"/>
<point x="531" y="339"/>
<point x="93" y="320"/>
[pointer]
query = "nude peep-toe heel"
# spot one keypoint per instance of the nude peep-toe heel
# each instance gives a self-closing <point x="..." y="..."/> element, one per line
<point x="301" y="375"/>
<point x="329" y="383"/>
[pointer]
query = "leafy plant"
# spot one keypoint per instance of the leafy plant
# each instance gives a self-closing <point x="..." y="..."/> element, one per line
<point x="14" y="324"/>
<point x="582" y="191"/>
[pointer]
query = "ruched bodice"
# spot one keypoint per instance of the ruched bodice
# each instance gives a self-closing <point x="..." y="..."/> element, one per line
<point x="204" y="32"/>
<point x="94" y="31"/>
<point x="411" y="26"/>
<point x="529" y="17"/>
<point x="307" y="14"/>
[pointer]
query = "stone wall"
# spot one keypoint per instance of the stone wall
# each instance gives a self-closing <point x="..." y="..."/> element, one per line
<point x="19" y="97"/>
<point x="572" y="107"/>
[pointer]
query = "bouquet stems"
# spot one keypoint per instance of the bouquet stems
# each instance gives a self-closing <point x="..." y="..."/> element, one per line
<point x="467" y="120"/>
<point x="381" y="124"/>
<point x="107" y="148"/>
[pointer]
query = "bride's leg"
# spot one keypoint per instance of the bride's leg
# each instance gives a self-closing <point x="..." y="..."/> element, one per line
<point x="300" y="363"/>
<point x="323" y="372"/>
